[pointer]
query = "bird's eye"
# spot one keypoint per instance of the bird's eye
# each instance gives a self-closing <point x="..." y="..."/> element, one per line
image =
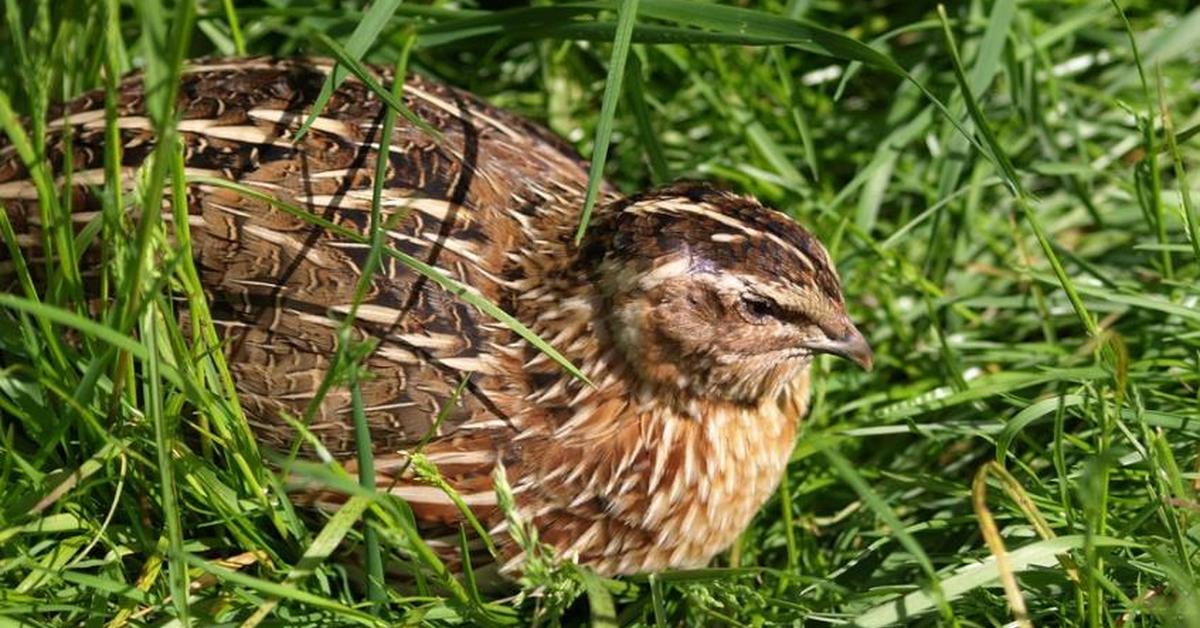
<point x="758" y="308"/>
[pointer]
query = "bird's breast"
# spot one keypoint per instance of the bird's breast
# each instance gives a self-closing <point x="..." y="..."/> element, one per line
<point x="659" y="489"/>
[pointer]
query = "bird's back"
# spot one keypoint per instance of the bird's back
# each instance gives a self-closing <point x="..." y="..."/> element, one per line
<point x="470" y="201"/>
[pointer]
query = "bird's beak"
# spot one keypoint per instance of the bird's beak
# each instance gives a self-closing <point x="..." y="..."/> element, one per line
<point x="850" y="345"/>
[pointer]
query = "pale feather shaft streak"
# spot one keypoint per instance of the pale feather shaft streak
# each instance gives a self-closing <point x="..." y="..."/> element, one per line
<point x="429" y="495"/>
<point x="25" y="189"/>
<point x="296" y="118"/>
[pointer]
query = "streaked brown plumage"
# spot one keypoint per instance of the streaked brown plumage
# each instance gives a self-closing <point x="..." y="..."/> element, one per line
<point x="695" y="312"/>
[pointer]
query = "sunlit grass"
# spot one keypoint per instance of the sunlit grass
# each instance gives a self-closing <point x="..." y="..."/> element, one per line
<point x="1031" y="289"/>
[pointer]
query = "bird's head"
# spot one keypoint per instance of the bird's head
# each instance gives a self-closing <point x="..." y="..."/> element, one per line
<point x="713" y="295"/>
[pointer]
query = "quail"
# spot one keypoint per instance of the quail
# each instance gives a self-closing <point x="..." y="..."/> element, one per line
<point x="693" y="312"/>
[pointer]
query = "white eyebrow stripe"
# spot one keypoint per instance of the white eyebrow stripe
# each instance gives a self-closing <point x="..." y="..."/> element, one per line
<point x="700" y="209"/>
<point x="784" y="294"/>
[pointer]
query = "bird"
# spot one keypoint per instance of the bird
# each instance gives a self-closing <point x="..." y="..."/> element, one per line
<point x="693" y="313"/>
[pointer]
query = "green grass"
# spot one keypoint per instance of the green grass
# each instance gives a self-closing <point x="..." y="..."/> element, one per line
<point x="1004" y="186"/>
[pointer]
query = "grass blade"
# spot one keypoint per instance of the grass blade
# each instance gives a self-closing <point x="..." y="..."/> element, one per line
<point x="1000" y="159"/>
<point x="659" y="171"/>
<point x="626" y="18"/>
<point x="360" y="72"/>
<point x="164" y="440"/>
<point x="364" y="35"/>
<point x="336" y="529"/>
<point x="282" y="591"/>
<point x="600" y="601"/>
<point x="1040" y="554"/>
<point x="885" y="512"/>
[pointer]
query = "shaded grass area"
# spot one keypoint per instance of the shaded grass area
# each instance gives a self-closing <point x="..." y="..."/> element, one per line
<point x="1013" y="223"/>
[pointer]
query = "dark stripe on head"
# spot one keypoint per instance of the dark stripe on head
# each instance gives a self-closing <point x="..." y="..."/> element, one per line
<point x="720" y="230"/>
